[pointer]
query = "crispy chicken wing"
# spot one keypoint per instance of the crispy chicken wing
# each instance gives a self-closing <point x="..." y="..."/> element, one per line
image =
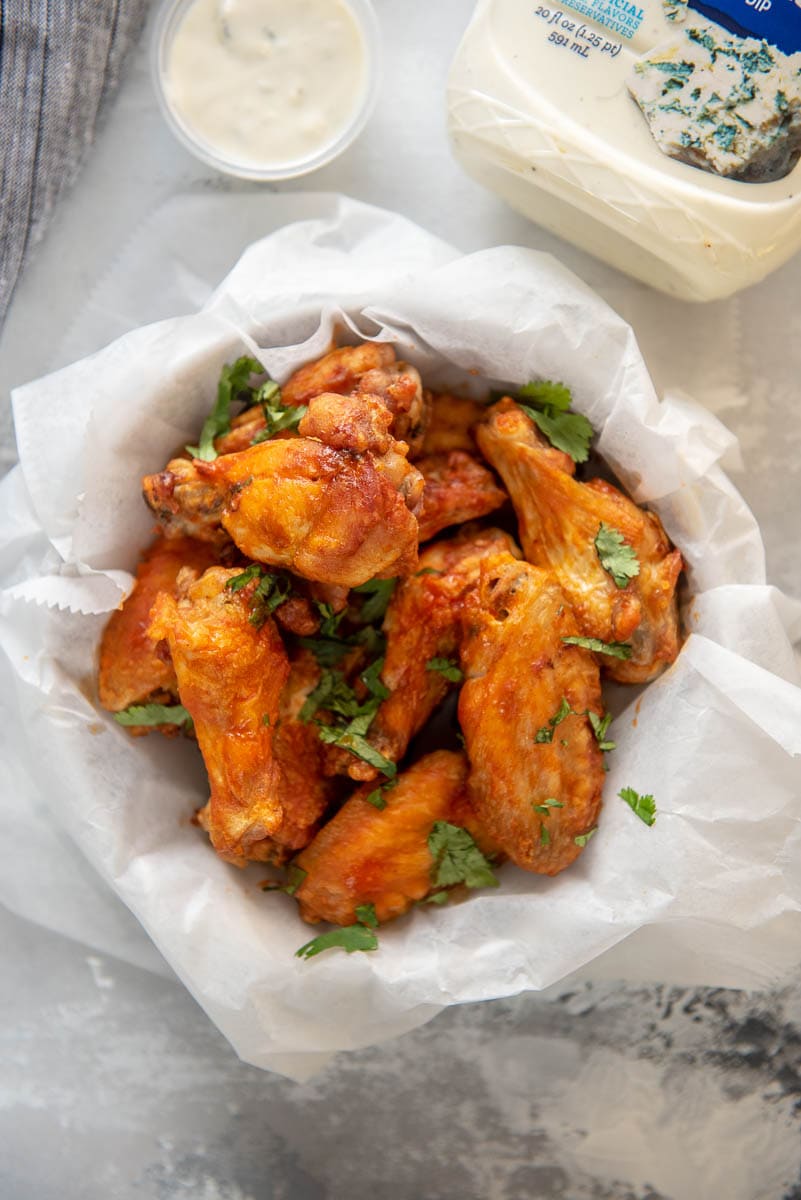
<point x="340" y="371"/>
<point x="560" y="519"/>
<point x="338" y="514"/>
<point x="131" y="671"/>
<point x="399" y="387"/>
<point x="422" y="623"/>
<point x="458" y="488"/>
<point x="451" y="423"/>
<point x="367" y="856"/>
<point x="535" y="782"/>
<point x="231" y="678"/>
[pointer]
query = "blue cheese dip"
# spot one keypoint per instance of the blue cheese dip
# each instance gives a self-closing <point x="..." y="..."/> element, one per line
<point x="266" y="83"/>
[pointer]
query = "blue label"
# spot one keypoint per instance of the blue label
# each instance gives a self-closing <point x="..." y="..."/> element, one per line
<point x="777" y="22"/>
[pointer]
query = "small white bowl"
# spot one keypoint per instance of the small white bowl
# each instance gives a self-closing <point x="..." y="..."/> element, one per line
<point x="167" y="23"/>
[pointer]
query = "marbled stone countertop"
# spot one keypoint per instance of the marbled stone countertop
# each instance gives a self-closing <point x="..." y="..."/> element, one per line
<point x="114" y="1084"/>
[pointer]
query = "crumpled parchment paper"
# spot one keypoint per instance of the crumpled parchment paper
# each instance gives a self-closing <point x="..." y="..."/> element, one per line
<point x="710" y="895"/>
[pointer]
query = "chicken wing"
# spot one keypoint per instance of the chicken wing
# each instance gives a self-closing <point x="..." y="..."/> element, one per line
<point x="339" y="514"/>
<point x="340" y="371"/>
<point x="422" y="626"/>
<point x="536" y="771"/>
<point x="451" y="423"/>
<point x="367" y="856"/>
<point x="400" y="388"/>
<point x="457" y="489"/>
<point x="131" y="671"/>
<point x="231" y="678"/>
<point x="560" y="520"/>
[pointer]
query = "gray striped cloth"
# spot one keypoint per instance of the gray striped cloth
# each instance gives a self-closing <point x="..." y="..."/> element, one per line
<point x="59" y="60"/>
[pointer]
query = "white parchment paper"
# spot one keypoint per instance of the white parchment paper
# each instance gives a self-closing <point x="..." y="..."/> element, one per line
<point x="710" y="895"/>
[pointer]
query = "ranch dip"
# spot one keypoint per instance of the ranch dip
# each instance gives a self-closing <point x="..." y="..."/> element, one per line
<point x="266" y="83"/>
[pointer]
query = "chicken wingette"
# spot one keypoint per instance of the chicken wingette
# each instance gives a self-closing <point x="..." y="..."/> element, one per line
<point x="131" y="671"/>
<point x="458" y="488"/>
<point x="266" y="793"/>
<point x="336" y="505"/>
<point x="562" y="526"/>
<point x="365" y="855"/>
<point x="536" y="770"/>
<point x="423" y="629"/>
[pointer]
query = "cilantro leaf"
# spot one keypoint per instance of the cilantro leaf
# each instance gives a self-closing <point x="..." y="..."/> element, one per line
<point x="233" y="385"/>
<point x="642" y="806"/>
<point x="330" y="620"/>
<point x="437" y="898"/>
<point x="546" y="394"/>
<point x="237" y="582"/>
<point x="457" y="858"/>
<point x="547" y="805"/>
<point x="545" y="836"/>
<point x="327" y="651"/>
<point x="380" y="593"/>
<point x="369" y="678"/>
<point x="569" y="432"/>
<point x="378" y="796"/>
<point x="613" y="649"/>
<point x="272" y="590"/>
<point x="358" y="745"/>
<point x="618" y="558"/>
<point x="545" y="732"/>
<point x="581" y="839"/>
<point x="599" y="728"/>
<point x="277" y="416"/>
<point x="352" y="937"/>
<point x="295" y="877"/>
<point x="154" y="714"/>
<point x="447" y="668"/>
<point x="365" y="915"/>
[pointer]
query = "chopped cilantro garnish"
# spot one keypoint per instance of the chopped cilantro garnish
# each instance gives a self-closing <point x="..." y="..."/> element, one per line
<point x="457" y="858"/>
<point x="437" y="898"/>
<point x="618" y="558"/>
<point x="643" y="806"/>
<point x="330" y="621"/>
<point x="447" y="668"/>
<point x="233" y="385"/>
<point x="613" y="649"/>
<point x="581" y="839"/>
<point x="379" y="592"/>
<point x="545" y="732"/>
<point x="369" y="678"/>
<point x="272" y="590"/>
<point x="426" y="571"/>
<point x="365" y="915"/>
<point x="545" y="836"/>
<point x="352" y="937"/>
<point x="547" y="405"/>
<point x="378" y="798"/>
<point x="277" y="417"/>
<point x="327" y="651"/>
<point x="154" y="714"/>
<point x="295" y="877"/>
<point x="599" y="728"/>
<point x="333" y="694"/>
<point x="547" y="805"/>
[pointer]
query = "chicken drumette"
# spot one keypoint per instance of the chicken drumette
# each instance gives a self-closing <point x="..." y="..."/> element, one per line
<point x="336" y="504"/>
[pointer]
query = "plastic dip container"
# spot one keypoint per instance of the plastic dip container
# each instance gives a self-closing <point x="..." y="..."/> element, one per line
<point x="663" y="137"/>
<point x="266" y="89"/>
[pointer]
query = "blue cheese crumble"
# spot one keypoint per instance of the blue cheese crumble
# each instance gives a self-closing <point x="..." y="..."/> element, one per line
<point x="676" y="10"/>
<point x="727" y="104"/>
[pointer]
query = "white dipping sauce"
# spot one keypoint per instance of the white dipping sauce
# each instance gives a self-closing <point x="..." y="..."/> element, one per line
<point x="266" y="83"/>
